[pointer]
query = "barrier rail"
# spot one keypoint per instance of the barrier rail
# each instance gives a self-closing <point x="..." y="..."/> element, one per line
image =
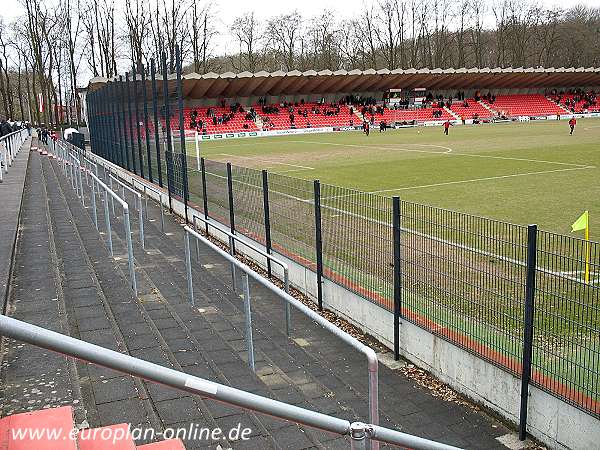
<point x="232" y="237"/>
<point x="138" y="196"/>
<point x="157" y="192"/>
<point x="372" y="362"/>
<point x="10" y="146"/>
<point x="75" y="173"/>
<point x="75" y="348"/>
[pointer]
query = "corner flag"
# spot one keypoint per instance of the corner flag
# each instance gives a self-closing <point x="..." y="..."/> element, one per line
<point x="583" y="223"/>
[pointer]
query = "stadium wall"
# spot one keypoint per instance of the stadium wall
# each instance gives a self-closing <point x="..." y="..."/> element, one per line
<point x="552" y="421"/>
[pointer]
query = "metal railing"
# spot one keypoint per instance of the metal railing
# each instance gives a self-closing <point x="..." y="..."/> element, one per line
<point x="235" y="238"/>
<point x="158" y="192"/>
<point x="10" y="146"/>
<point x="73" y="168"/>
<point x="138" y="201"/>
<point x="372" y="362"/>
<point x="359" y="432"/>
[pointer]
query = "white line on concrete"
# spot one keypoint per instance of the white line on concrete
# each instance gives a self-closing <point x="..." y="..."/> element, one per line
<point x="511" y="441"/>
<point x="474" y="180"/>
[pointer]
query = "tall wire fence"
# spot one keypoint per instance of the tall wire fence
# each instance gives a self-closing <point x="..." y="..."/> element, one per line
<point x="461" y="277"/>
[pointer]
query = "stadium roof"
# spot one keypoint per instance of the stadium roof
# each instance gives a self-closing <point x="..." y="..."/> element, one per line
<point x="247" y="84"/>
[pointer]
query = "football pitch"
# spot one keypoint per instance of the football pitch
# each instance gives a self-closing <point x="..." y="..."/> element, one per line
<point x="532" y="172"/>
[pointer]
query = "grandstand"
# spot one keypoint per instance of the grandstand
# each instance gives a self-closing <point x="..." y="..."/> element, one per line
<point x="278" y="101"/>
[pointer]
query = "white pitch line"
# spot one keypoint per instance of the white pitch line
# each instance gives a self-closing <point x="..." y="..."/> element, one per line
<point x="448" y="151"/>
<point x="474" y="180"/>
<point x="290" y="170"/>
<point x="268" y="161"/>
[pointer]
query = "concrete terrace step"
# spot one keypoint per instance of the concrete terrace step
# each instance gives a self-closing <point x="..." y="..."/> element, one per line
<point x="145" y="340"/>
<point x="185" y="333"/>
<point x="312" y="369"/>
<point x="53" y="425"/>
<point x="10" y="198"/>
<point x="320" y="373"/>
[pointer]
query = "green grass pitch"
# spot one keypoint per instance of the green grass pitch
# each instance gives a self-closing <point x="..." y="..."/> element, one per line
<point x="532" y="172"/>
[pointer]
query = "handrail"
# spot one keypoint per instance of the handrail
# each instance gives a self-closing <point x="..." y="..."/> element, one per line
<point x="78" y="184"/>
<point x="126" y="224"/>
<point x="112" y="178"/>
<point x="75" y="348"/>
<point x="10" y="146"/>
<point x="372" y="362"/>
<point x="98" y="183"/>
<point x="160" y="196"/>
<point x="234" y="237"/>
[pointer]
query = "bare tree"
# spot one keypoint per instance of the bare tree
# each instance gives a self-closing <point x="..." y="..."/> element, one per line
<point x="246" y="30"/>
<point x="202" y="34"/>
<point x="283" y="33"/>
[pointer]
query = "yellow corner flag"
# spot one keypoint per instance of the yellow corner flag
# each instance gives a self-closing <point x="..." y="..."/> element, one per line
<point x="583" y="223"/>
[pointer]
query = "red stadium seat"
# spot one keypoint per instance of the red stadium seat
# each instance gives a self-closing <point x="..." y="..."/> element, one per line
<point x="525" y="105"/>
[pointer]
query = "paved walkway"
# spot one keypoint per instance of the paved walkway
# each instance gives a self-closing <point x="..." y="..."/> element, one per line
<point x="11" y="190"/>
<point x="65" y="280"/>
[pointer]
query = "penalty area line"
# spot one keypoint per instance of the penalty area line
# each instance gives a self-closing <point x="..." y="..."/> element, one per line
<point x="474" y="180"/>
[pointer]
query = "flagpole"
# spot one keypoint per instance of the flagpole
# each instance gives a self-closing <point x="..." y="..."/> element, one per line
<point x="197" y="151"/>
<point x="587" y="251"/>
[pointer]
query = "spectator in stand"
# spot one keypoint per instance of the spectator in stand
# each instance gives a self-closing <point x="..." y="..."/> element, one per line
<point x="44" y="136"/>
<point x="4" y="128"/>
<point x="572" y="124"/>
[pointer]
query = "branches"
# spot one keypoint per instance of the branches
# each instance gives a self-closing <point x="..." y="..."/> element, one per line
<point x="53" y="39"/>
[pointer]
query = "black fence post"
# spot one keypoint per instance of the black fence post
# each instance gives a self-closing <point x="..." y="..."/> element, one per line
<point x="130" y="123"/>
<point x="182" y="131"/>
<point x="137" y="119"/>
<point x="156" y="122"/>
<point x="231" y="205"/>
<point x="146" y="131"/>
<point x="123" y="122"/>
<point x="113" y="125"/>
<point x="528" y="327"/>
<point x="318" y="243"/>
<point x="397" y="276"/>
<point x="265" y="183"/>
<point x="167" y="113"/>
